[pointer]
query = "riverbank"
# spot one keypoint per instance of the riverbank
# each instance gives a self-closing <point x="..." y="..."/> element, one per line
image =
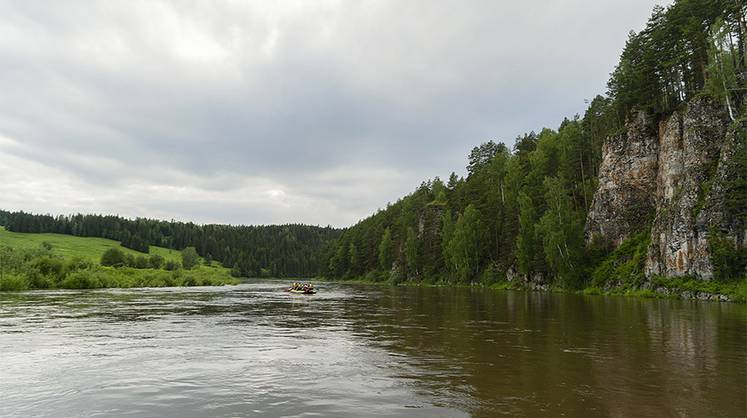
<point x="658" y="287"/>
<point x="90" y="263"/>
<point x="99" y="277"/>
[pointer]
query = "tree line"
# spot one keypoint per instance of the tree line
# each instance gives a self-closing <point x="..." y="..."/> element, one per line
<point x="522" y="211"/>
<point x="518" y="211"/>
<point x="252" y="251"/>
<point x="688" y="46"/>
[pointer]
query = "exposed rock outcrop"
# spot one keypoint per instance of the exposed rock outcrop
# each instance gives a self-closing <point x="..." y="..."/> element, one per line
<point x="625" y="197"/>
<point x="671" y="180"/>
<point x="689" y="146"/>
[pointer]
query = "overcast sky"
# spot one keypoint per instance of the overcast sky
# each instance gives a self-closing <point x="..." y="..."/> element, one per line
<point x="250" y="112"/>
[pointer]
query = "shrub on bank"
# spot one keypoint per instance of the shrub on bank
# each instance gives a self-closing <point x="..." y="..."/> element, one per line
<point x="103" y="277"/>
<point x="10" y="282"/>
<point x="624" y="267"/>
<point x="38" y="269"/>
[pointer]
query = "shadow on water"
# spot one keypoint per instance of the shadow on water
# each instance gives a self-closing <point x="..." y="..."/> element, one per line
<point x="368" y="351"/>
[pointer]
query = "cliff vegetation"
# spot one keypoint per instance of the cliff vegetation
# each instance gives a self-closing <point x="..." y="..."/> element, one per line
<point x="645" y="191"/>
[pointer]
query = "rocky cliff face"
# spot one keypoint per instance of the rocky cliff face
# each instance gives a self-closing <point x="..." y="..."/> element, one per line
<point x="627" y="182"/>
<point x="690" y="142"/>
<point x="673" y="173"/>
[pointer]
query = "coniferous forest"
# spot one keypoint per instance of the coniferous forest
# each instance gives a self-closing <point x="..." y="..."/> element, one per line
<point x="521" y="211"/>
<point x="252" y="251"/>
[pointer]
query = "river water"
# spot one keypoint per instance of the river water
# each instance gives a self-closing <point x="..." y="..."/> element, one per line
<point x="354" y="350"/>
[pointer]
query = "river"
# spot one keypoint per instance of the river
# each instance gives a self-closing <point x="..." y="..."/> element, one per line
<point x="357" y="350"/>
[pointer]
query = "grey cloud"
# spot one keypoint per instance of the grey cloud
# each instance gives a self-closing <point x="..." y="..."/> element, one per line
<point x="301" y="111"/>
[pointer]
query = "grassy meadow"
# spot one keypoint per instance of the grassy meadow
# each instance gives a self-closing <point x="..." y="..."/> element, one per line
<point x="69" y="246"/>
<point x="48" y="261"/>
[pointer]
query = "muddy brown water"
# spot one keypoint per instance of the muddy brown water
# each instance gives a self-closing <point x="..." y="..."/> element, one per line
<point x="356" y="350"/>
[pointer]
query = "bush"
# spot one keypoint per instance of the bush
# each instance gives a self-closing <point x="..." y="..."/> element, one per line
<point x="190" y="259"/>
<point x="37" y="280"/>
<point x="171" y="265"/>
<point x="625" y="265"/>
<point x="33" y="268"/>
<point x="156" y="261"/>
<point x="191" y="280"/>
<point x="491" y="275"/>
<point x="113" y="257"/>
<point x="84" y="279"/>
<point x="10" y="282"/>
<point x="739" y="292"/>
<point x="141" y="262"/>
<point x="77" y="263"/>
<point x="47" y="270"/>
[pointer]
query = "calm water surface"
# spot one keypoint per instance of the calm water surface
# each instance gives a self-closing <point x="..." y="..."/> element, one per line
<point x="253" y="350"/>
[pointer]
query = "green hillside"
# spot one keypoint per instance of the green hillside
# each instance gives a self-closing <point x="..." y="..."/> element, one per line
<point x="69" y="246"/>
<point x="49" y="261"/>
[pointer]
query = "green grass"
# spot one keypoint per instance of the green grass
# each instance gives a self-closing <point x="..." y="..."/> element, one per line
<point x="10" y="282"/>
<point x="97" y="277"/>
<point x="624" y="267"/>
<point x="68" y="272"/>
<point x="69" y="246"/>
<point x="103" y="277"/>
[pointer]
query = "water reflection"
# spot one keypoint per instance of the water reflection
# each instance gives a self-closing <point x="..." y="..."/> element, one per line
<point x="367" y="351"/>
<point x="533" y="353"/>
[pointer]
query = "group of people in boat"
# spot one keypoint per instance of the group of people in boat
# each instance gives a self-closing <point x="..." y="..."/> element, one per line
<point x="302" y="287"/>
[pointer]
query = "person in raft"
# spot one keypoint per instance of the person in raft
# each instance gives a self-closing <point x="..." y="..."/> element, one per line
<point x="305" y="287"/>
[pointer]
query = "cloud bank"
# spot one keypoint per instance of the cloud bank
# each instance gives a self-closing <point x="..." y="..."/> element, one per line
<point x="250" y="112"/>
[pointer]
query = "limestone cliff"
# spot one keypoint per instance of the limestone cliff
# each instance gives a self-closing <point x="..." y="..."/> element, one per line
<point x="669" y="179"/>
<point x="627" y="182"/>
<point x="690" y="142"/>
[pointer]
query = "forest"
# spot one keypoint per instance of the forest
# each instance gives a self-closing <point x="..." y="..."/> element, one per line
<point x="250" y="251"/>
<point x="522" y="211"/>
<point x="519" y="211"/>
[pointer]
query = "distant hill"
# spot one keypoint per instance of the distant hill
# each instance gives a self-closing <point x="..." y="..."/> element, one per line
<point x="253" y="251"/>
<point x="70" y="246"/>
<point x="58" y="261"/>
